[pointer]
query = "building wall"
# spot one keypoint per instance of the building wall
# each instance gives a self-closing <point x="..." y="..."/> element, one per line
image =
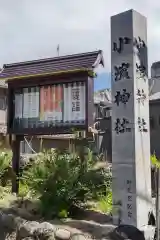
<point x="104" y="140"/>
<point x="155" y="128"/>
<point x="155" y="109"/>
<point x="154" y="82"/>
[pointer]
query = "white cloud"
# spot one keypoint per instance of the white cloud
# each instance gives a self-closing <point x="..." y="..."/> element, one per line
<point x="31" y="29"/>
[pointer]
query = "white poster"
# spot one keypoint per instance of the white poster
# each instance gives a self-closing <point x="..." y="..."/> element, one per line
<point x="25" y="103"/>
<point x="76" y="108"/>
<point x="68" y="103"/>
<point x="46" y="103"/>
<point x="74" y="102"/>
<point x="29" y="103"/>
<point x="83" y="101"/>
<point x="34" y="103"/>
<point x="37" y="95"/>
<point x="59" y="102"/>
<point x="18" y="105"/>
<point x="66" y="110"/>
<point x="78" y="102"/>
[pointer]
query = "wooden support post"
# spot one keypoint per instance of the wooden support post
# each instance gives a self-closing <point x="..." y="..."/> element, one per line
<point x="71" y="145"/>
<point x="41" y="144"/>
<point x="15" y="163"/>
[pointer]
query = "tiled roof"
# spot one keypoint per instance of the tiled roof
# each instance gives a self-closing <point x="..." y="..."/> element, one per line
<point x="52" y="65"/>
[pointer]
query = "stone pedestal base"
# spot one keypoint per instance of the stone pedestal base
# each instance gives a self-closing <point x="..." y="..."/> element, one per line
<point x="133" y="233"/>
<point x="148" y="232"/>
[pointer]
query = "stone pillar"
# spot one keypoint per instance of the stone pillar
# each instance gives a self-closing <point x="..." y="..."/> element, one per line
<point x="130" y="119"/>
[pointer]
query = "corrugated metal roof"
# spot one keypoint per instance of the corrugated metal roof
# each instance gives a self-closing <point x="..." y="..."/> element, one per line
<point x="52" y="65"/>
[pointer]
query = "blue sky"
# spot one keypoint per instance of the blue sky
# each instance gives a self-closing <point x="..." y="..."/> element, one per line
<point x="102" y="81"/>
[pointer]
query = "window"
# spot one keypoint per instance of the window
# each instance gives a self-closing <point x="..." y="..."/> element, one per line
<point x="3" y="103"/>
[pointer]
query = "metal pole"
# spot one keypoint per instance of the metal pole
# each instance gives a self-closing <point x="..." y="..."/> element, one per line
<point x="158" y="204"/>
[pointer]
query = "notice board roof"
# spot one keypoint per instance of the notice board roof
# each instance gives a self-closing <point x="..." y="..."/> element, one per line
<point x="49" y="66"/>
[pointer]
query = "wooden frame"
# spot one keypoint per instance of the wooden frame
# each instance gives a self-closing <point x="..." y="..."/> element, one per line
<point x="49" y="80"/>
